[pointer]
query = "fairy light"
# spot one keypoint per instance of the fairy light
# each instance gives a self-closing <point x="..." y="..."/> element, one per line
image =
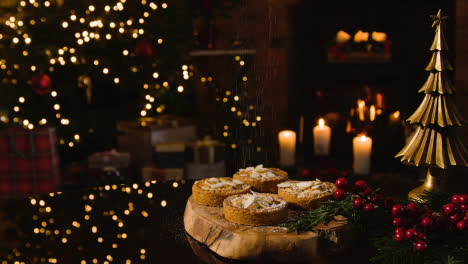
<point x="180" y="89"/>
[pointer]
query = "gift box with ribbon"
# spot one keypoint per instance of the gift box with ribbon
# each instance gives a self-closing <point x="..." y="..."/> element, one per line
<point x="138" y="137"/>
<point x="110" y="158"/>
<point x="29" y="162"/>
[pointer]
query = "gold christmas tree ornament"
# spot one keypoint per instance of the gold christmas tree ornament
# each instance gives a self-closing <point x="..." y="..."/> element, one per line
<point x="435" y="144"/>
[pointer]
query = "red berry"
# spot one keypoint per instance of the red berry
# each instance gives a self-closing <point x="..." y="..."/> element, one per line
<point x="455" y="218"/>
<point x="340" y="194"/>
<point x="358" y="202"/>
<point x="410" y="233"/>
<point x="399" y="230"/>
<point x="368" y="191"/>
<point x="463" y="207"/>
<point x="369" y="207"/>
<point x="421" y="245"/>
<point x="397" y="222"/>
<point x="464" y="199"/>
<point x="400" y="237"/>
<point x="461" y="225"/>
<point x="360" y="185"/>
<point x="465" y="218"/>
<point x="449" y="209"/>
<point x="341" y="182"/>
<point x="420" y="236"/>
<point x="397" y="210"/>
<point x="427" y="222"/>
<point x="412" y="207"/>
<point x="456" y="199"/>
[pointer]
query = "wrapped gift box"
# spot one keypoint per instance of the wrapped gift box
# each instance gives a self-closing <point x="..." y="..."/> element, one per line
<point x="197" y="171"/>
<point x="138" y="137"/>
<point x="29" y="162"/>
<point x="150" y="173"/>
<point x="169" y="155"/>
<point x="207" y="151"/>
<point x="109" y="159"/>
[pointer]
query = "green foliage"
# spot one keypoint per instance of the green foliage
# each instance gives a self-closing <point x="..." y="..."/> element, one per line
<point x="444" y="247"/>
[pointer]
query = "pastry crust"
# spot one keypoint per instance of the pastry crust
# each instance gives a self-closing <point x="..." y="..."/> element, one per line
<point x="261" y="179"/>
<point x="306" y="194"/>
<point x="213" y="191"/>
<point x="274" y="214"/>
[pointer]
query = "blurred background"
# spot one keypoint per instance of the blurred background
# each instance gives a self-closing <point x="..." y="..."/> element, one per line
<point x="188" y="89"/>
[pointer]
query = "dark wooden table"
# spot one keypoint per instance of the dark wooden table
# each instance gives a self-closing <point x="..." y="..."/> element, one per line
<point x="121" y="223"/>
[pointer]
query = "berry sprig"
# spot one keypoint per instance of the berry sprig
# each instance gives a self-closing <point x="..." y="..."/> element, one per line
<point x="414" y="223"/>
<point x="365" y="197"/>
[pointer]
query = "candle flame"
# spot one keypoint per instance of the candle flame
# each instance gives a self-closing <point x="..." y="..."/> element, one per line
<point x="396" y="114"/>
<point x="361" y="103"/>
<point x="321" y="122"/>
<point x="286" y="134"/>
<point x="363" y="137"/>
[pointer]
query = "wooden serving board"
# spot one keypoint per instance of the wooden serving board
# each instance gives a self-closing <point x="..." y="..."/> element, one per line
<point x="208" y="226"/>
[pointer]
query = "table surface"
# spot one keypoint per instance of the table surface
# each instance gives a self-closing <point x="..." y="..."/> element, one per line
<point x="134" y="223"/>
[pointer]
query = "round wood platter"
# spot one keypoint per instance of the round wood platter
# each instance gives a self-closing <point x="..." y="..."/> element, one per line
<point x="208" y="226"/>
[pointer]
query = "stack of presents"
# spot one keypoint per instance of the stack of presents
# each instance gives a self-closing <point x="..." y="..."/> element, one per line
<point x="164" y="148"/>
<point x="167" y="149"/>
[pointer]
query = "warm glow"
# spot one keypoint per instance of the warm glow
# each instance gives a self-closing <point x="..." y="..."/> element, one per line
<point x="361" y="36"/>
<point x="396" y="114"/>
<point x="342" y="37"/>
<point x="372" y="113"/>
<point x="321" y="122"/>
<point x="379" y="36"/>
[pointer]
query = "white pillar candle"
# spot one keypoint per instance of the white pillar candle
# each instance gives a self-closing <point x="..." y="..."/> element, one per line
<point x="362" y="147"/>
<point x="287" y="144"/>
<point x="372" y="113"/>
<point x="322" y="135"/>
<point x="360" y="110"/>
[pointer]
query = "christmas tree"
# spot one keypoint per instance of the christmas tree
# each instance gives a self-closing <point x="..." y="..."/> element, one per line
<point x="435" y="143"/>
<point x="81" y="65"/>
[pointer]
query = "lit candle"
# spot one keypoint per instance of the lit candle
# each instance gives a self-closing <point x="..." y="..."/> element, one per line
<point x="372" y="113"/>
<point x="379" y="36"/>
<point x="379" y="100"/>
<point x="361" y="105"/>
<point x="361" y="36"/>
<point x="342" y="37"/>
<point x="287" y="144"/>
<point x="362" y="146"/>
<point x="322" y="135"/>
<point x="394" y="117"/>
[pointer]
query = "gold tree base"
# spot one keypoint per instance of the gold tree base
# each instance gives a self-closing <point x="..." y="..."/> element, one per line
<point x="435" y="182"/>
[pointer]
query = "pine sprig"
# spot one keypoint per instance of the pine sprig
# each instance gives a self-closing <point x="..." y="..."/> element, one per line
<point x="444" y="247"/>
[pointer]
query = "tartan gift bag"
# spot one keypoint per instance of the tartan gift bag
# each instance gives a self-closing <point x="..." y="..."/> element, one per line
<point x="29" y="162"/>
